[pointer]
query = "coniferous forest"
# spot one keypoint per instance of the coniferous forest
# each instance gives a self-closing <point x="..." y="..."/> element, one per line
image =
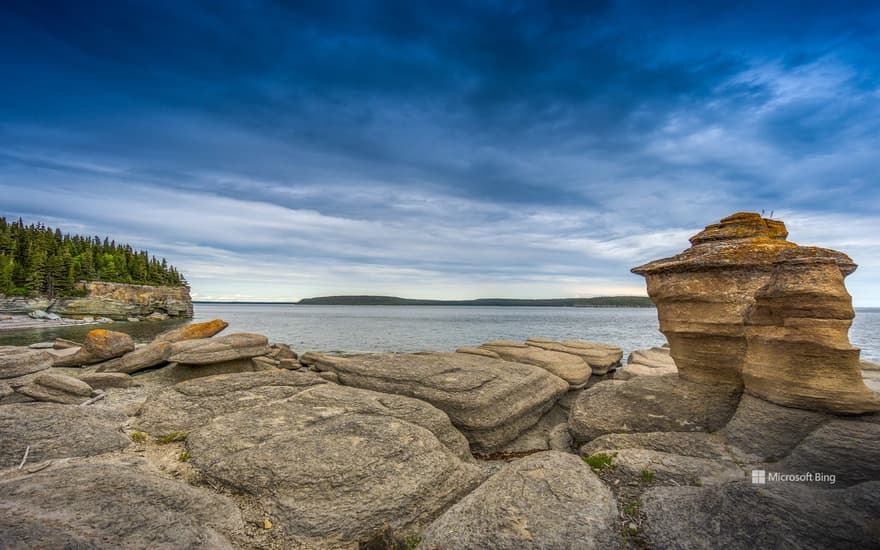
<point x="38" y="260"/>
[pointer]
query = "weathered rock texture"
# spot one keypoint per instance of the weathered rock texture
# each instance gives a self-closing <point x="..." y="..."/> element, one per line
<point x="650" y="404"/>
<point x="337" y="462"/>
<point x="57" y="388"/>
<point x="192" y="331"/>
<point x="120" y="301"/>
<point x="491" y="401"/>
<point x="547" y="500"/>
<point x="746" y="516"/>
<point x="98" y="346"/>
<point x="122" y="504"/>
<point x="15" y="362"/>
<point x="746" y="308"/>
<point x="190" y="404"/>
<point x="571" y="368"/>
<point x="207" y="351"/>
<point x="600" y="357"/>
<point x="56" y="431"/>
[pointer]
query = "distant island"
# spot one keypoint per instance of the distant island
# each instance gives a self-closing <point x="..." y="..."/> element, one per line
<point x="599" y="301"/>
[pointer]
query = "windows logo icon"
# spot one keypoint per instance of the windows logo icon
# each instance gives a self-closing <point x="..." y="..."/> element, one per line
<point x="759" y="477"/>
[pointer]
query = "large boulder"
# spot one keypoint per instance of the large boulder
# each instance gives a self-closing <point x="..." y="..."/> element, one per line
<point x="121" y="504"/>
<point x="691" y="444"/>
<point x="177" y="372"/>
<point x="650" y="404"/>
<point x="338" y="463"/>
<point x="647" y="362"/>
<point x="15" y="361"/>
<point x="846" y="449"/>
<point x="547" y="500"/>
<point x="207" y="351"/>
<point x="190" y="404"/>
<point x="760" y="430"/>
<point x="601" y="357"/>
<point x="570" y="368"/>
<point x="746" y="308"/>
<point x="56" y="431"/>
<point x="99" y="345"/>
<point x="142" y="358"/>
<point x="746" y="516"/>
<point x="192" y="331"/>
<point x="57" y="388"/>
<point x="491" y="401"/>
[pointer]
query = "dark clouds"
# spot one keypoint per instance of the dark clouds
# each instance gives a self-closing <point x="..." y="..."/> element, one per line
<point x="420" y="140"/>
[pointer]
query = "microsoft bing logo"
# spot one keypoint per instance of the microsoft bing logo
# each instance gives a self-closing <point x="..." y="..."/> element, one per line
<point x="759" y="477"/>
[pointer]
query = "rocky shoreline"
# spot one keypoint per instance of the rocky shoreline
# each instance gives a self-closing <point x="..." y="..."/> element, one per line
<point x="210" y="440"/>
<point x="115" y="301"/>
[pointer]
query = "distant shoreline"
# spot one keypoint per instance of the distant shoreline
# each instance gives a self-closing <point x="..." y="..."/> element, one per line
<point x="602" y="301"/>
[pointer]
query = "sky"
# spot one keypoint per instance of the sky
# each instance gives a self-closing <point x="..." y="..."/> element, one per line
<point x="280" y="150"/>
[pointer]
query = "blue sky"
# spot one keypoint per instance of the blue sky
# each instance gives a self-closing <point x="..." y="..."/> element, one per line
<point x="276" y="150"/>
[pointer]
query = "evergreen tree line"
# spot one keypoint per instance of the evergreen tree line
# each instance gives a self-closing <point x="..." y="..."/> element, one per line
<point x="37" y="260"/>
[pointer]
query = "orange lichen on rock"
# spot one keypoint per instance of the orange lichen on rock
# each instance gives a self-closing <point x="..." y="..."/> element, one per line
<point x="745" y="307"/>
<point x="193" y="331"/>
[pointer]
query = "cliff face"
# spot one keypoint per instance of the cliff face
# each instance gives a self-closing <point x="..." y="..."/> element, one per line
<point x="747" y="308"/>
<point x="120" y="301"/>
<point x="114" y="300"/>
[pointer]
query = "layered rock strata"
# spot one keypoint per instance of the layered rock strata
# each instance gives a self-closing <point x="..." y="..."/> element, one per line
<point x="491" y="401"/>
<point x="744" y="307"/>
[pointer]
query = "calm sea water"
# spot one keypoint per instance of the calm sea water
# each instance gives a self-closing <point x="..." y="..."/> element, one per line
<point x="443" y="328"/>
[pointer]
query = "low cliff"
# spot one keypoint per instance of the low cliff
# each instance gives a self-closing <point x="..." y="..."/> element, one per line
<point x="114" y="300"/>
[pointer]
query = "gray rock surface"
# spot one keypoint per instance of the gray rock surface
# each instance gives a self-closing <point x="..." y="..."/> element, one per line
<point x="765" y="431"/>
<point x="650" y="404"/>
<point x="207" y="351"/>
<point x="104" y="380"/>
<point x="647" y="362"/>
<point x="746" y="516"/>
<point x="57" y="388"/>
<point x="491" y="401"/>
<point x="337" y="462"/>
<point x="570" y="368"/>
<point x="848" y="449"/>
<point x="666" y="467"/>
<point x="546" y="500"/>
<point x="15" y="361"/>
<point x="121" y="504"/>
<point x="56" y="431"/>
<point x="175" y="372"/>
<point x="142" y="358"/>
<point x="190" y="404"/>
<point x="693" y="444"/>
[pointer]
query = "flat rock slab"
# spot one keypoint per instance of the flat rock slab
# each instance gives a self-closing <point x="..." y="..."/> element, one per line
<point x="192" y="331"/>
<point x="175" y="373"/>
<point x="570" y="368"/>
<point x="491" y="401"/>
<point x="56" y="431"/>
<point x="600" y="357"/>
<point x="190" y="404"/>
<point x="99" y="345"/>
<point x="760" y="430"/>
<point x="658" y="358"/>
<point x="57" y="388"/>
<point x="207" y="351"/>
<point x="104" y="380"/>
<point x="746" y="516"/>
<point x="848" y="449"/>
<point x="142" y="358"/>
<point x="650" y="404"/>
<point x="338" y="462"/>
<point x="691" y="444"/>
<point x="123" y="504"/>
<point x="665" y="467"/>
<point x="546" y="500"/>
<point x="15" y="361"/>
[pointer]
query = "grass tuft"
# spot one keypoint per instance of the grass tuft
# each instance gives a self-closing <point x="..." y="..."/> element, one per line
<point x="600" y="462"/>
<point x="172" y="437"/>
